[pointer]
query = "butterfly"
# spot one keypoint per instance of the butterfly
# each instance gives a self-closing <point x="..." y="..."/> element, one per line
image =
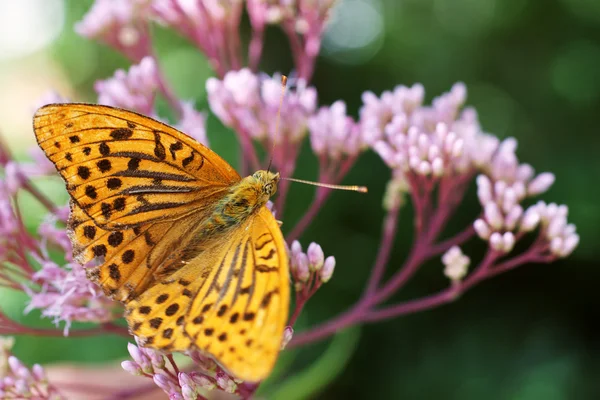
<point x="179" y="237"/>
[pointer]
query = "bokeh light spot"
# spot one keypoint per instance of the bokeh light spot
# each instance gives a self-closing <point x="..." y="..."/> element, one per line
<point x="575" y="74"/>
<point x="355" y="32"/>
<point x="28" y="25"/>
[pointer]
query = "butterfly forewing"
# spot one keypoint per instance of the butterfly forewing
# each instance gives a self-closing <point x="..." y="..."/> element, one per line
<point x="124" y="169"/>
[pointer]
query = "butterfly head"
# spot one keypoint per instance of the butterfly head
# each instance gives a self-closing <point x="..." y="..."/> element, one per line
<point x="267" y="181"/>
<point x="250" y="194"/>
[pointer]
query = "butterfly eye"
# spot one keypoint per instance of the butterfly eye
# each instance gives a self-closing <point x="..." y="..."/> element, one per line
<point x="268" y="188"/>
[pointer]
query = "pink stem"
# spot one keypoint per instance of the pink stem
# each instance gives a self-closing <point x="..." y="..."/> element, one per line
<point x="167" y="91"/>
<point x="399" y="279"/>
<point x="10" y="327"/>
<point x="288" y="165"/>
<point x="458" y="239"/>
<point x="413" y="306"/>
<point x="296" y="46"/>
<point x="385" y="248"/>
<point x="39" y="196"/>
<point x="321" y="195"/>
<point x="342" y="321"/>
<point x="248" y="152"/>
<point x="233" y="39"/>
<point x="300" y="302"/>
<point x="255" y="48"/>
<point x="435" y="300"/>
<point x="134" y="392"/>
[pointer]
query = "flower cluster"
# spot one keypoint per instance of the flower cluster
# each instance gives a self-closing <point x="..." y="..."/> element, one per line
<point x="132" y="90"/>
<point x="433" y="153"/>
<point x="168" y="376"/>
<point x="309" y="271"/>
<point x="121" y="24"/>
<point x="19" y="382"/>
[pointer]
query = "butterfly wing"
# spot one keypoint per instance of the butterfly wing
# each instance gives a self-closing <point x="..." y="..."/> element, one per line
<point x="137" y="187"/>
<point x="132" y="259"/>
<point x="123" y="169"/>
<point x="231" y="302"/>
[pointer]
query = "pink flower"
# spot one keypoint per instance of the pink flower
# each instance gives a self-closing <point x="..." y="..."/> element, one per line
<point x="378" y="112"/>
<point x="65" y="294"/>
<point x="334" y="134"/>
<point x="121" y="24"/>
<point x="193" y="123"/>
<point x="251" y="103"/>
<point x="19" y="382"/>
<point x="8" y="220"/>
<point x="210" y="24"/>
<point x="133" y="90"/>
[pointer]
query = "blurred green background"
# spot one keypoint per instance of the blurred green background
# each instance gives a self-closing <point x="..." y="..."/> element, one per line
<point x="532" y="68"/>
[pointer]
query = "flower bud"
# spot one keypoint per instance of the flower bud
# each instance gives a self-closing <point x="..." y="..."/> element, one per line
<point x="328" y="268"/>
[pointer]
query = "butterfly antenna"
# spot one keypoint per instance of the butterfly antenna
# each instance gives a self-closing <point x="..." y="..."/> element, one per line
<point x="360" y="189"/>
<point x="283" y="84"/>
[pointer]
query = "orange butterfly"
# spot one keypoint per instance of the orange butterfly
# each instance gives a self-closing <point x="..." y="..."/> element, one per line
<point x="184" y="242"/>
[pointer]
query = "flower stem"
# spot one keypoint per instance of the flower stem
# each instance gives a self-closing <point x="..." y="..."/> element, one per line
<point x="342" y="321"/>
<point x="456" y="240"/>
<point x="255" y="48"/>
<point x="385" y="248"/>
<point x="412" y="306"/>
<point x="320" y="196"/>
<point x="166" y="90"/>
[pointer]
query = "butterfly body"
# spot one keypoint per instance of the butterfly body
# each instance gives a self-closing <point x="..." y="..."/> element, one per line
<point x="174" y="233"/>
<point x="243" y="200"/>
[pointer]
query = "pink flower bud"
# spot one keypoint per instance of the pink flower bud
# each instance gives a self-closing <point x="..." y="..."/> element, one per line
<point x="315" y="257"/>
<point x="131" y="367"/>
<point x="288" y="332"/>
<point x="482" y="229"/>
<point x="493" y="216"/>
<point x="302" y="268"/>
<point x="496" y="241"/>
<point x="163" y="382"/>
<point x="225" y="382"/>
<point x="540" y="184"/>
<point x="530" y="220"/>
<point x="509" y="242"/>
<point x="328" y="268"/>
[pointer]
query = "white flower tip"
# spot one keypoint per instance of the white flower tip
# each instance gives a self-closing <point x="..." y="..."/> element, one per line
<point x="456" y="264"/>
<point x="296" y="247"/>
<point x="493" y="216"/>
<point x="509" y="242"/>
<point x="316" y="256"/>
<point x="288" y="333"/>
<point x="328" y="268"/>
<point x="131" y="367"/>
<point x="496" y="241"/>
<point x="540" y="183"/>
<point x="482" y="229"/>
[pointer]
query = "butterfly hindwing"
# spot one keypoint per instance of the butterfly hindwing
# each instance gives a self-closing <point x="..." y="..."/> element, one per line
<point x="244" y="303"/>
<point x="233" y="301"/>
<point x="122" y="168"/>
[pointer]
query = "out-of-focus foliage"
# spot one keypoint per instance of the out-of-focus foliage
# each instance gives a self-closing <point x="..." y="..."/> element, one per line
<point x="531" y="69"/>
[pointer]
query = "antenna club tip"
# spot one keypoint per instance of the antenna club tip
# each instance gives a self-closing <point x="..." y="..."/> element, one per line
<point x="283" y="79"/>
<point x="362" y="189"/>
